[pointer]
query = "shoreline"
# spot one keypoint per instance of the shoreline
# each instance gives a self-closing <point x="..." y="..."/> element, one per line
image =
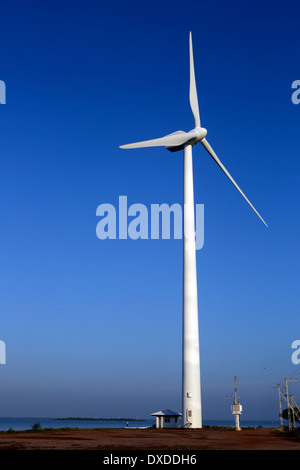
<point x="148" y="439"/>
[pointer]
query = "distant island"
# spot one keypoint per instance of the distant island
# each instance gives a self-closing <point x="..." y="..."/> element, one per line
<point x="99" y="419"/>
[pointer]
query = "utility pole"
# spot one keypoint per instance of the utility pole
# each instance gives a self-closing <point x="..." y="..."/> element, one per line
<point x="236" y="408"/>
<point x="294" y="405"/>
<point x="289" y="407"/>
<point x="235" y="390"/>
<point x="288" y="404"/>
<point x="280" y="406"/>
<point x="297" y="407"/>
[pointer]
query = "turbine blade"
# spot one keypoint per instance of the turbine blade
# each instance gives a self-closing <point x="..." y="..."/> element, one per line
<point x="193" y="89"/>
<point x="214" y="156"/>
<point x="170" y="140"/>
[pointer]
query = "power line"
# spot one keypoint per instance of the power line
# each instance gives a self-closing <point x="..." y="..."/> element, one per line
<point x="291" y="376"/>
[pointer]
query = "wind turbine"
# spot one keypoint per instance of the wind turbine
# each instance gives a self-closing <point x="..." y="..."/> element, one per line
<point x="179" y="140"/>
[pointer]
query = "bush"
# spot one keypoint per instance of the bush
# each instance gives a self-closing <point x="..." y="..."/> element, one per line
<point x="36" y="427"/>
<point x="295" y="434"/>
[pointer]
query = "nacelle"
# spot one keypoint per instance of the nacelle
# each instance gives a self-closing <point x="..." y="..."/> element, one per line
<point x="201" y="133"/>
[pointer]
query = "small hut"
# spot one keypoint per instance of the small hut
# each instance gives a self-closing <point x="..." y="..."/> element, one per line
<point x="167" y="419"/>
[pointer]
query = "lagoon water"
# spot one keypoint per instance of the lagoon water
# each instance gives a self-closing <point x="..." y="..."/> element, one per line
<point x="22" y="424"/>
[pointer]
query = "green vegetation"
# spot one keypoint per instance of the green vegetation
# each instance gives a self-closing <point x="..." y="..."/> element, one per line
<point x="99" y="419"/>
<point x="48" y="430"/>
<point x="36" y="427"/>
<point x="294" y="434"/>
<point x="296" y="413"/>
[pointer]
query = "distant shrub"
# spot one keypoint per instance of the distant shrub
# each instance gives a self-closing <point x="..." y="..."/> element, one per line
<point x="218" y="428"/>
<point x="293" y="434"/>
<point x="36" y="427"/>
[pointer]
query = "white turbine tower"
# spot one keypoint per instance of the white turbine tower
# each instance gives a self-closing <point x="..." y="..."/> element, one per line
<point x="191" y="392"/>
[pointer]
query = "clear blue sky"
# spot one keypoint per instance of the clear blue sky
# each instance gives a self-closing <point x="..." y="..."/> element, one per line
<point x="93" y="328"/>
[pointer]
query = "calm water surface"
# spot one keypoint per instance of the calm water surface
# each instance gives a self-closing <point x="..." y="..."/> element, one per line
<point x="21" y="424"/>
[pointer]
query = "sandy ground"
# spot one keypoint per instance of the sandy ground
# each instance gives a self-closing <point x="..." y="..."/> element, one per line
<point x="148" y="439"/>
